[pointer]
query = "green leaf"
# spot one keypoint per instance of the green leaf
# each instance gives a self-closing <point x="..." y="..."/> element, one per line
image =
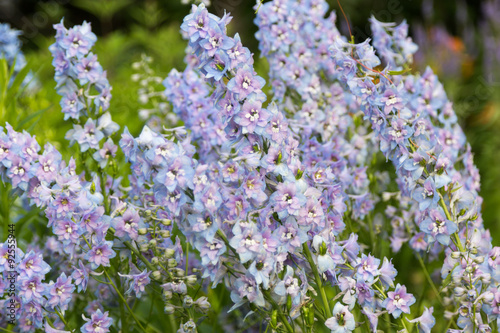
<point x="404" y="71"/>
<point x="32" y="116"/>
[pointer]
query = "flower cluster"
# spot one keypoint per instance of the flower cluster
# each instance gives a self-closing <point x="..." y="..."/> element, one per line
<point x="81" y="81"/>
<point x="276" y="198"/>
<point x="10" y="50"/>
<point x="418" y="132"/>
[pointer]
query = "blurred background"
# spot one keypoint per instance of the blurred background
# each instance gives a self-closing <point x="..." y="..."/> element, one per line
<point x="459" y="40"/>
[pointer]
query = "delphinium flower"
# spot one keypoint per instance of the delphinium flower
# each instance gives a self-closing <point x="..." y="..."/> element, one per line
<point x="30" y="270"/>
<point x="342" y="320"/>
<point x="158" y="204"/>
<point x="86" y="93"/>
<point x="53" y="186"/>
<point x="138" y="282"/>
<point x="421" y="98"/>
<point x="10" y="50"/>
<point x="398" y="301"/>
<point x="283" y="167"/>
<point x="313" y="116"/>
<point x="98" y="322"/>
<point x="396" y="49"/>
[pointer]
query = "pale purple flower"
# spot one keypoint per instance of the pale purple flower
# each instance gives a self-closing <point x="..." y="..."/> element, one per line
<point x="128" y="224"/>
<point x="98" y="323"/>
<point x="100" y="254"/>
<point x="32" y="289"/>
<point x="342" y="320"/>
<point x="426" y="321"/>
<point x="33" y="264"/>
<point x="60" y="292"/>
<point x="398" y="301"/>
<point x="138" y="282"/>
<point x="245" y="83"/>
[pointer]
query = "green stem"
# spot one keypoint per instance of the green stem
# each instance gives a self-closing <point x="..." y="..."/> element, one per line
<point x="187" y="258"/>
<point x="124" y="301"/>
<point x="6" y="330"/>
<point x="428" y="277"/>
<point x="324" y="299"/>
<point x="283" y="319"/>
<point x="140" y="256"/>
<point x="224" y="239"/>
<point x="372" y="232"/>
<point x="6" y="209"/>
<point x="404" y="325"/>
<point x="123" y="319"/>
<point x="103" y="191"/>
<point x="448" y="216"/>
<point x="61" y="317"/>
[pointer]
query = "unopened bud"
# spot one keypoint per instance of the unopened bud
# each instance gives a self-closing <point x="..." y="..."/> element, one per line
<point x="143" y="231"/>
<point x="156" y="275"/>
<point x="169" y="309"/>
<point x="455" y="254"/>
<point x="479" y="260"/>
<point x="166" y="222"/>
<point x="171" y="263"/>
<point x="187" y="301"/>
<point x="486" y="278"/>
<point x="169" y="253"/>
<point x="488" y="296"/>
<point x="459" y="291"/>
<point x="191" y="279"/>
<point x="167" y="294"/>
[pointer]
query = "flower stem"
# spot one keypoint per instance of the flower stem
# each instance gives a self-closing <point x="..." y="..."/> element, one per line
<point x="448" y="216"/>
<point x="428" y="277"/>
<point x="283" y="319"/>
<point x="324" y="299"/>
<point x="124" y="301"/>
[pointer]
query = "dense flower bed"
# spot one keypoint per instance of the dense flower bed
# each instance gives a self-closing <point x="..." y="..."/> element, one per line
<point x="278" y="194"/>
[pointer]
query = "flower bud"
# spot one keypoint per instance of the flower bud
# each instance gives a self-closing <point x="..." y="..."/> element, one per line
<point x="169" y="253"/>
<point x="167" y="294"/>
<point x="488" y="296"/>
<point x="201" y="304"/>
<point x="172" y="263"/>
<point x="187" y="301"/>
<point x="143" y="231"/>
<point x="459" y="291"/>
<point x="166" y="222"/>
<point x="455" y="255"/>
<point x="169" y="309"/>
<point x="486" y="278"/>
<point x="154" y="260"/>
<point x="191" y="280"/>
<point x="479" y="260"/>
<point x="156" y="275"/>
<point x="165" y="233"/>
